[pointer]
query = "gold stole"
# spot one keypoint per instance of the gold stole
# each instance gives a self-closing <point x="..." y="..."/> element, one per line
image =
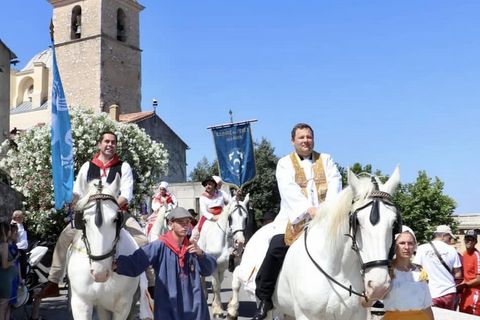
<point x="294" y="231"/>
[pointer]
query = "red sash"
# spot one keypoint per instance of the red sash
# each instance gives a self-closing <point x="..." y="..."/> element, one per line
<point x="213" y="210"/>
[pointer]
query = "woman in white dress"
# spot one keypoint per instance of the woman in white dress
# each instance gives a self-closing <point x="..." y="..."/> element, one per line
<point x="409" y="297"/>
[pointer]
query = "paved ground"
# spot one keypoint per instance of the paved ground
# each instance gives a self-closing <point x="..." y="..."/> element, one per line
<point x="57" y="308"/>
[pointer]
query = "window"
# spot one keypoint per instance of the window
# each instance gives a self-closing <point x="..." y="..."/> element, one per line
<point x="121" y="26"/>
<point x="76" y="29"/>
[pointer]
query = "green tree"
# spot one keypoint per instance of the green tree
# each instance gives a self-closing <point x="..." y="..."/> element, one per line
<point x="357" y="168"/>
<point x="203" y="169"/>
<point x="263" y="189"/>
<point x="424" y="205"/>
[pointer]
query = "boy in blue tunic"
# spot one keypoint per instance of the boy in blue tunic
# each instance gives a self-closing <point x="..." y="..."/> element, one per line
<point x="178" y="265"/>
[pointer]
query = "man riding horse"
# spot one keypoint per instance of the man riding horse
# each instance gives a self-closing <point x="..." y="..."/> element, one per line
<point x="105" y="165"/>
<point x="305" y="179"/>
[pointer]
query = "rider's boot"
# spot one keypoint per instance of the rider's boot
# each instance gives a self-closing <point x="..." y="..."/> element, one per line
<point x="263" y="309"/>
<point x="50" y="290"/>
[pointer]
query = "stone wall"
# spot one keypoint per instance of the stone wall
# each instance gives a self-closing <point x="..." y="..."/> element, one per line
<point x="10" y="200"/>
<point x="159" y="131"/>
<point x="97" y="70"/>
<point x="4" y="91"/>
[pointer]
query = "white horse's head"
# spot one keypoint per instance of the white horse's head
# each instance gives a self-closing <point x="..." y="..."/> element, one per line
<point x="101" y="224"/>
<point x="373" y="221"/>
<point x="238" y="212"/>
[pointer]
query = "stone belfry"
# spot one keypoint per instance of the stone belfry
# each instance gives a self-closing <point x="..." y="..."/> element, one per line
<point x="98" y="52"/>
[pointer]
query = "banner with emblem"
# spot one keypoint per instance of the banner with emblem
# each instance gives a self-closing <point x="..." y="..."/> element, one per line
<point x="61" y="143"/>
<point x="235" y="154"/>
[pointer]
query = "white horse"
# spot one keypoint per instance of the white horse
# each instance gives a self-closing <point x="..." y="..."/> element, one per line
<point x="344" y="253"/>
<point x="159" y="226"/>
<point x="219" y="238"/>
<point x="92" y="281"/>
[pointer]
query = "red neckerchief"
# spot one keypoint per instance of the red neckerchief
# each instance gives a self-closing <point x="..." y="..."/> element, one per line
<point x="104" y="166"/>
<point x="170" y="242"/>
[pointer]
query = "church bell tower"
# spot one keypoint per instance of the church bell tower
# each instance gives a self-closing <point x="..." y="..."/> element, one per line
<point x="98" y="52"/>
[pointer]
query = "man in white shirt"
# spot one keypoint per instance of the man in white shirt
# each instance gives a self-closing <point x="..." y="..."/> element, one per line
<point x="443" y="266"/>
<point x="105" y="165"/>
<point x="305" y="178"/>
<point x="22" y="242"/>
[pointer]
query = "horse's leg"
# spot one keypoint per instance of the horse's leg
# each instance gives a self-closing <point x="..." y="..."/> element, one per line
<point x="132" y="314"/>
<point x="217" y="278"/>
<point x="80" y="309"/>
<point x="103" y="314"/>
<point x="232" y="309"/>
<point x="123" y="314"/>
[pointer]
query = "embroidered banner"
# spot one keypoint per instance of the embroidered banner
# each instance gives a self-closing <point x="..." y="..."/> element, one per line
<point x="236" y="158"/>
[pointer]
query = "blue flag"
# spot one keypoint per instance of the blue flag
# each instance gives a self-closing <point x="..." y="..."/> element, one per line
<point x="62" y="144"/>
<point x="235" y="153"/>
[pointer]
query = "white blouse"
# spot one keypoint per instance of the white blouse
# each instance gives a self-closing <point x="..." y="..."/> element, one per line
<point x="408" y="291"/>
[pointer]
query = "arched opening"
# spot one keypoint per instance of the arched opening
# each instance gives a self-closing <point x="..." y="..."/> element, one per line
<point x="76" y="24"/>
<point x="25" y="91"/>
<point x="121" y="26"/>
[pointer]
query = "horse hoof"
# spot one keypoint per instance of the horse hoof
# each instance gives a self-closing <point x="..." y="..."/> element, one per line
<point x="229" y="317"/>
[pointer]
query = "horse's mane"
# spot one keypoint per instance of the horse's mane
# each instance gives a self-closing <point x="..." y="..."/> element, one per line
<point x="333" y="215"/>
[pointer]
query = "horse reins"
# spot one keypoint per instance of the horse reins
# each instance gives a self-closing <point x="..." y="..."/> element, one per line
<point x="329" y="277"/>
<point x="376" y="196"/>
<point x="239" y="208"/>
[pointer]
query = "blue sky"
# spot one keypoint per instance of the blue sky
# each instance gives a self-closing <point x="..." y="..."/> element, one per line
<point x="381" y="82"/>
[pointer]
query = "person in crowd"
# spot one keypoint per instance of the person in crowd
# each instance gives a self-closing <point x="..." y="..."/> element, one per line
<point x="105" y="165"/>
<point x="442" y="263"/>
<point x="227" y="198"/>
<point x="22" y="243"/>
<point x="409" y="296"/>
<point x="305" y="179"/>
<point x="161" y="198"/>
<point x="179" y="265"/>
<point x="8" y="271"/>
<point x="194" y="215"/>
<point x="212" y="204"/>
<point x="470" y="286"/>
<point x="14" y="255"/>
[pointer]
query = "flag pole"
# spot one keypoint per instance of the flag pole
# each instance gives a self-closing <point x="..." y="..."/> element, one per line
<point x="61" y="139"/>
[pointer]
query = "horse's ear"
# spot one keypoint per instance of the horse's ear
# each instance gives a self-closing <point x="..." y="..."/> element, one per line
<point x="352" y="180"/>
<point x="246" y="200"/>
<point x="391" y="185"/>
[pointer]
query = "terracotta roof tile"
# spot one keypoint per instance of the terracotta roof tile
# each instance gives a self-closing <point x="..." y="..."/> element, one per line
<point x="136" y="116"/>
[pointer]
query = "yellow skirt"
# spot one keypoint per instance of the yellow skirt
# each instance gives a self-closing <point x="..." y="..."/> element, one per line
<point x="405" y="315"/>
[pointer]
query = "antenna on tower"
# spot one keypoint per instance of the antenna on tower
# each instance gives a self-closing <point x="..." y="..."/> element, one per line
<point x="154" y="104"/>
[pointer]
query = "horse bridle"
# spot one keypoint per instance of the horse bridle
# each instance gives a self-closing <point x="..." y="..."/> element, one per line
<point x="241" y="211"/>
<point x="98" y="198"/>
<point x="231" y="233"/>
<point x="376" y="196"/>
